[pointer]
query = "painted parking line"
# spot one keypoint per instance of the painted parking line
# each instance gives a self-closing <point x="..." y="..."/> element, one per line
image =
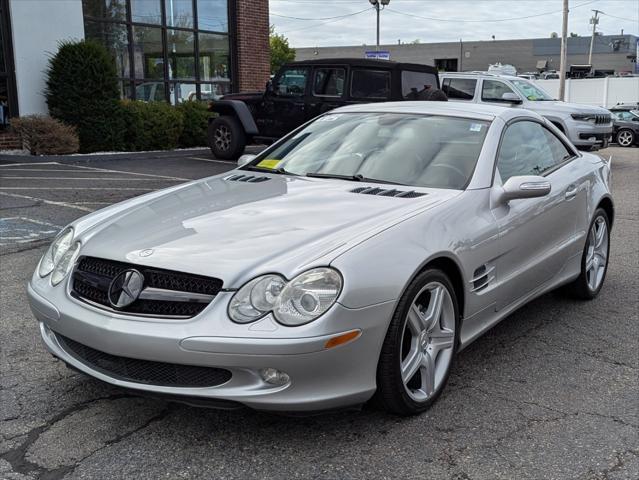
<point x="230" y="163"/>
<point x="80" y="188"/>
<point x="93" y="179"/>
<point x="27" y="163"/>
<point x="48" y="202"/>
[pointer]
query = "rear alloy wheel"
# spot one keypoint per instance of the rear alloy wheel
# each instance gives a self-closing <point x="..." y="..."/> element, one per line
<point x="594" y="262"/>
<point x="420" y="345"/>
<point x="625" y="138"/>
<point x="226" y="138"/>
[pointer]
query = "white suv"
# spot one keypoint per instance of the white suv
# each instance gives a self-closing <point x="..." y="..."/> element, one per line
<point x="586" y="126"/>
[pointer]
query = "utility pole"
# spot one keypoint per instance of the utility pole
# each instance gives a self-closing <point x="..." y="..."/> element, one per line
<point x="379" y="6"/>
<point x="564" y="47"/>
<point x="594" y="20"/>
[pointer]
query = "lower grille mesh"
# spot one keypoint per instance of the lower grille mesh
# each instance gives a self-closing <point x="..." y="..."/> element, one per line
<point x="145" y="371"/>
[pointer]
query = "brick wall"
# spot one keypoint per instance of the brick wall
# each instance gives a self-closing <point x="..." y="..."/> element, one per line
<point x="10" y="141"/>
<point x="252" y="44"/>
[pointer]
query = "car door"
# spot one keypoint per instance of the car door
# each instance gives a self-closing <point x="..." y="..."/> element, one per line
<point x="537" y="236"/>
<point x="285" y="103"/>
<point x="459" y="89"/>
<point x="492" y="91"/>
<point x="327" y="92"/>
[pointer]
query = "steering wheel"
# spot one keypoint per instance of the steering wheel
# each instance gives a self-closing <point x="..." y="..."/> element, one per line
<point x="461" y="176"/>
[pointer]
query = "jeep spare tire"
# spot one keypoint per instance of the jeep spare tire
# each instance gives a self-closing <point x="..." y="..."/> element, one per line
<point x="227" y="138"/>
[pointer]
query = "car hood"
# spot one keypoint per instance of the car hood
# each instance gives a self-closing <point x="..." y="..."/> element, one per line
<point x="565" y="107"/>
<point x="234" y="229"/>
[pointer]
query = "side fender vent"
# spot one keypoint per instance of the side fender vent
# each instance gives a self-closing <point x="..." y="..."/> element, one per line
<point x="482" y="278"/>
<point x="246" y="178"/>
<point x="381" y="192"/>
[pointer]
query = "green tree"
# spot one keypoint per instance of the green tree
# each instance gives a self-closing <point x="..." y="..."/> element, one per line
<point x="281" y="52"/>
<point x="82" y="90"/>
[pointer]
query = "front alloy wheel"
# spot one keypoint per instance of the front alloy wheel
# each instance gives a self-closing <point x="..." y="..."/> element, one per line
<point x="625" y="138"/>
<point x="420" y="345"/>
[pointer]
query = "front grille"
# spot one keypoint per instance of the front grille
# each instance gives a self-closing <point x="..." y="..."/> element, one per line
<point x="602" y="119"/>
<point x="93" y="276"/>
<point x="145" y="371"/>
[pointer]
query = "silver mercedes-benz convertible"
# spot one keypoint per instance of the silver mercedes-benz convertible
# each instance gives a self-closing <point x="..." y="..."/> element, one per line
<point x="353" y="258"/>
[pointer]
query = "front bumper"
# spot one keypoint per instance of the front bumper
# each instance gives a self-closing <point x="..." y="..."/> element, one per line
<point x="320" y="378"/>
<point x="585" y="134"/>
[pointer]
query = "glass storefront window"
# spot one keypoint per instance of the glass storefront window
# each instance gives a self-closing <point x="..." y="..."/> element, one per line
<point x="113" y="36"/>
<point x="147" y="52"/>
<point x="146" y="11"/>
<point x="181" y="49"/>
<point x="213" y="15"/>
<point x="182" y="92"/>
<point x="179" y="13"/>
<point x="213" y="91"/>
<point x="106" y="9"/>
<point x="214" y="57"/>
<point x="150" y="92"/>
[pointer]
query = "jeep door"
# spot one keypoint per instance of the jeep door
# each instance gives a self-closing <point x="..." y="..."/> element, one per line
<point x="327" y="90"/>
<point x="285" y="104"/>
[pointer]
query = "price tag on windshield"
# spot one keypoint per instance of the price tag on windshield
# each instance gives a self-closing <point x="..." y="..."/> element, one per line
<point x="268" y="163"/>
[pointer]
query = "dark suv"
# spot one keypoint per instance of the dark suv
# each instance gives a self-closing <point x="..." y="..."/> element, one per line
<point x="302" y="90"/>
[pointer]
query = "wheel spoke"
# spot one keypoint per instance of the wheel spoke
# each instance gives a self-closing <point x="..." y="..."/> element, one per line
<point x="411" y="364"/>
<point x="415" y="320"/>
<point x="600" y="234"/>
<point x="441" y="340"/>
<point x="434" y="311"/>
<point x="428" y="374"/>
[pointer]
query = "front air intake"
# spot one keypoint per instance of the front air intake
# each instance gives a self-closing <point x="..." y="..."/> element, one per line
<point x="381" y="192"/>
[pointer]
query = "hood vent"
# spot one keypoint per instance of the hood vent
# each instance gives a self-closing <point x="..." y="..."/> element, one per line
<point x="381" y="192"/>
<point x="246" y="178"/>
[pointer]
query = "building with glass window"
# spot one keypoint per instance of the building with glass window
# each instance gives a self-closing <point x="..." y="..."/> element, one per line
<point x="168" y="50"/>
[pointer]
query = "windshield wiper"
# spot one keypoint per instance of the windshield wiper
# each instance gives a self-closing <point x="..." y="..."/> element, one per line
<point x="279" y="171"/>
<point x="352" y="178"/>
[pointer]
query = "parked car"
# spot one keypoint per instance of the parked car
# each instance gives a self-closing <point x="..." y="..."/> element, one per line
<point x="355" y="257"/>
<point x="529" y="75"/>
<point x="302" y="90"/>
<point x="625" y="124"/>
<point x="586" y="126"/>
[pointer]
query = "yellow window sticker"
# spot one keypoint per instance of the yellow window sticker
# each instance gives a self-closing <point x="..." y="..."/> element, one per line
<point x="268" y="163"/>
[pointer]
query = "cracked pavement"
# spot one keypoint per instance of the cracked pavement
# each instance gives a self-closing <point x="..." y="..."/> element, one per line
<point x="552" y="392"/>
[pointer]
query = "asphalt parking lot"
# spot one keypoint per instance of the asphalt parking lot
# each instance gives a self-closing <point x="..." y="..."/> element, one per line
<point x="550" y="393"/>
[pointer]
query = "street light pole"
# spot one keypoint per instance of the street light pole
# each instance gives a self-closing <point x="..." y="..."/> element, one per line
<point x="594" y="20"/>
<point x="564" y="46"/>
<point x="379" y="6"/>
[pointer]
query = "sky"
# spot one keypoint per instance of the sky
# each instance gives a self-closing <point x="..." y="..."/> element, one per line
<point x="318" y="23"/>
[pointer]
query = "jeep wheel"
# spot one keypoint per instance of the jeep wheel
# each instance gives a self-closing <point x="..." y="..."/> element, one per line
<point x="226" y="138"/>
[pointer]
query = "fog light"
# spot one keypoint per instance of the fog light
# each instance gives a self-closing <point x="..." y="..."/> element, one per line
<point x="274" y="376"/>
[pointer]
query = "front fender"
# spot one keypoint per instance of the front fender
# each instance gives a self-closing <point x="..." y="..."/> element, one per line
<point x="237" y="109"/>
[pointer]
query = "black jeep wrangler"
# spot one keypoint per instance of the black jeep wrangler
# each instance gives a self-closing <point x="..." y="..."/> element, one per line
<point x="302" y="90"/>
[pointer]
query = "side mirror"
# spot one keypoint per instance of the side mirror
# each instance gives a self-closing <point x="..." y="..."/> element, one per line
<point x="244" y="159"/>
<point x="511" y="97"/>
<point x="525" y="186"/>
<point x="269" y="86"/>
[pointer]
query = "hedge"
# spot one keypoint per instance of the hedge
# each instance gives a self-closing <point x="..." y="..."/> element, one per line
<point x="151" y="125"/>
<point x="45" y="135"/>
<point x="196" y="120"/>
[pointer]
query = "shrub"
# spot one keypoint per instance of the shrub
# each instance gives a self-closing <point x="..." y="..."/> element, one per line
<point x="45" y="135"/>
<point x="152" y="125"/>
<point x="82" y="90"/>
<point x="196" y="120"/>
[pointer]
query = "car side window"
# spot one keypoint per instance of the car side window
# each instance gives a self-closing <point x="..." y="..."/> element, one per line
<point x="459" y="88"/>
<point x="329" y="82"/>
<point x="627" y="116"/>
<point x="370" y="84"/>
<point x="416" y="84"/>
<point x="493" y="90"/>
<point x="527" y="148"/>
<point x="292" y="82"/>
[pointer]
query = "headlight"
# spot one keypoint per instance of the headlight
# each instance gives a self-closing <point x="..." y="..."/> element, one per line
<point x="256" y="298"/>
<point x="293" y="303"/>
<point x="65" y="264"/>
<point x="55" y="252"/>
<point x="584" y="117"/>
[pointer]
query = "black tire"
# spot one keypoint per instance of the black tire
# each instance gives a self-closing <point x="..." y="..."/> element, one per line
<point x="391" y="394"/>
<point x="580" y="288"/>
<point x="626" y="136"/>
<point x="227" y="138"/>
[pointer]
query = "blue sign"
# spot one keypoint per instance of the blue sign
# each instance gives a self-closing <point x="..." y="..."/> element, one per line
<point x="380" y="55"/>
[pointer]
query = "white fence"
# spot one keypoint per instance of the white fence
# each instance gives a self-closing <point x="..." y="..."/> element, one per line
<point x="603" y="92"/>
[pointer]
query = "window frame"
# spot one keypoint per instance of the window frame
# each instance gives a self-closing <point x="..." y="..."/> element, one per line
<point x="575" y="153"/>
<point x="364" y="69"/>
<point x="339" y="67"/>
<point x="450" y="79"/>
<point x="276" y="80"/>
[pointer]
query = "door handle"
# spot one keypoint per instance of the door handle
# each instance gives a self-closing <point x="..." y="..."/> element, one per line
<point x="571" y="192"/>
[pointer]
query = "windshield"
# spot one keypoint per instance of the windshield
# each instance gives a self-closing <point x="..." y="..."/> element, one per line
<point x="408" y="149"/>
<point x="531" y="91"/>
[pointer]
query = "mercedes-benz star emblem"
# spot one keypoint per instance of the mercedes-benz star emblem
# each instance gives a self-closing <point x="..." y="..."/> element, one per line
<point x="146" y="253"/>
<point x="125" y="288"/>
